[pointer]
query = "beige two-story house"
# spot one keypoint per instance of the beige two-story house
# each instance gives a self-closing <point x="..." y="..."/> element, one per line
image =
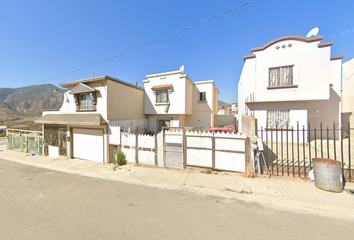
<point x="80" y="128"/>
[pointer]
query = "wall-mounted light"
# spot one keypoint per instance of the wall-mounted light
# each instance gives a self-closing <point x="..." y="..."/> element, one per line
<point x="59" y="90"/>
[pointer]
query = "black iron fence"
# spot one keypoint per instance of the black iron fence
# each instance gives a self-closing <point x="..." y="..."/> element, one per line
<point x="289" y="151"/>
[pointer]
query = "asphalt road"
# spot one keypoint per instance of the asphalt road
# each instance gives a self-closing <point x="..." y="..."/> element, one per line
<point x="38" y="203"/>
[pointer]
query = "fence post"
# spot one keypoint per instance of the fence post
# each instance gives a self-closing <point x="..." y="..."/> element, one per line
<point x="321" y="140"/>
<point x="298" y="148"/>
<point x="12" y="140"/>
<point x="119" y="147"/>
<point x="248" y="155"/>
<point x="184" y="140"/>
<point x="281" y="150"/>
<point x="276" y="148"/>
<point x="334" y="140"/>
<point x="309" y="139"/>
<point x="292" y="149"/>
<point x="349" y="156"/>
<point x="341" y="148"/>
<point x="303" y="148"/>
<point x="136" y="149"/>
<point x="37" y="137"/>
<point x="213" y="152"/>
<point x="163" y="147"/>
<point x="26" y="141"/>
<point x="287" y="148"/>
<point x="328" y="156"/>
<point x="155" y="139"/>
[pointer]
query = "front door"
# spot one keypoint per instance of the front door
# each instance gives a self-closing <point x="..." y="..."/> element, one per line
<point x="161" y="124"/>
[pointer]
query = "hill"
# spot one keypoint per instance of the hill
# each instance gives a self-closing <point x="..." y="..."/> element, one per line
<point x="27" y="102"/>
<point x="20" y="106"/>
<point x="222" y="104"/>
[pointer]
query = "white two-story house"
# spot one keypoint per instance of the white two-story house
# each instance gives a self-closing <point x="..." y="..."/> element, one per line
<point x="348" y="93"/>
<point x="172" y="99"/>
<point x="80" y="128"/>
<point x="290" y="80"/>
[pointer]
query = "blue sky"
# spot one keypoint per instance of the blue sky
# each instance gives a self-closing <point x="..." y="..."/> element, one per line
<point x="41" y="39"/>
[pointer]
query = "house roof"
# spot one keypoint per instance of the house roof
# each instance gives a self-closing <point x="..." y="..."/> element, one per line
<point x="293" y="37"/>
<point x="100" y="78"/>
<point x="82" y="88"/>
<point x="249" y="56"/>
<point x="296" y="38"/>
<point x="73" y="119"/>
<point x="180" y="71"/>
<point x="337" y="57"/>
<point x="161" y="86"/>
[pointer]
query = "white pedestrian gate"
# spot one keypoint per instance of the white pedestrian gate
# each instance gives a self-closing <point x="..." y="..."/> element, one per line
<point x="173" y="147"/>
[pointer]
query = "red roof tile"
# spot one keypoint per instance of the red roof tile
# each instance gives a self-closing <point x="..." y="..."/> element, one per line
<point x="161" y="86"/>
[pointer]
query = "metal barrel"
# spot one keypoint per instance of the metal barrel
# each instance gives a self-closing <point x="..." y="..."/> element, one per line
<point x="328" y="174"/>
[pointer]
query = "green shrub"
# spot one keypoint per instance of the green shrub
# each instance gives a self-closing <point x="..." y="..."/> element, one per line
<point x="115" y="159"/>
<point x="121" y="158"/>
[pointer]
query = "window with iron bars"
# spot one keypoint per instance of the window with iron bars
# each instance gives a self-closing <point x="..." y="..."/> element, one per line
<point x="281" y="76"/>
<point x="278" y="118"/>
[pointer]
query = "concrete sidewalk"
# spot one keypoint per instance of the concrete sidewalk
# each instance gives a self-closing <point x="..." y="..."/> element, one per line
<point x="291" y="194"/>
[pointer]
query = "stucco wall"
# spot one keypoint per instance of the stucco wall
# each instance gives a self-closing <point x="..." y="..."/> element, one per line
<point x="190" y="95"/>
<point x="348" y="90"/>
<point x="175" y="121"/>
<point x="129" y="126"/>
<point x="185" y="109"/>
<point x="316" y="77"/>
<point x="246" y="86"/>
<point x="177" y="97"/>
<point x="312" y="69"/>
<point x="124" y="102"/>
<point x="222" y="120"/>
<point x="325" y="112"/>
<point x="202" y="117"/>
<point x="101" y="94"/>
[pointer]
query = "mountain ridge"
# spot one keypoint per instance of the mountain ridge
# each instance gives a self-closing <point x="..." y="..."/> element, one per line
<point x="28" y="101"/>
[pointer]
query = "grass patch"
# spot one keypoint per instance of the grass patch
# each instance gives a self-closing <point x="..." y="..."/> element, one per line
<point x="207" y="171"/>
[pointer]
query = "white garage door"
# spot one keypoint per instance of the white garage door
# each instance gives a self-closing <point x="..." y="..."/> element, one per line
<point x="88" y="144"/>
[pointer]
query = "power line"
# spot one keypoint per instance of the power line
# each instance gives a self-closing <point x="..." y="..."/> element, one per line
<point x="147" y="44"/>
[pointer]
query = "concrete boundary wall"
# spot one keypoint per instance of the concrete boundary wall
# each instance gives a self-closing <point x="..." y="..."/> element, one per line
<point x="223" y="120"/>
<point x="129" y="126"/>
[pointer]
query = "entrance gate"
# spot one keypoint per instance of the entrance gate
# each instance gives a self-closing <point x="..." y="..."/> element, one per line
<point x="173" y="147"/>
<point x="62" y="142"/>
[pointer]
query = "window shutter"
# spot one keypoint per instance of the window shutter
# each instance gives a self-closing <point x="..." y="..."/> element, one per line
<point x="93" y="98"/>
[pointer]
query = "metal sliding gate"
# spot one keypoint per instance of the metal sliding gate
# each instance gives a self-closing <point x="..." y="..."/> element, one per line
<point x="173" y="148"/>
